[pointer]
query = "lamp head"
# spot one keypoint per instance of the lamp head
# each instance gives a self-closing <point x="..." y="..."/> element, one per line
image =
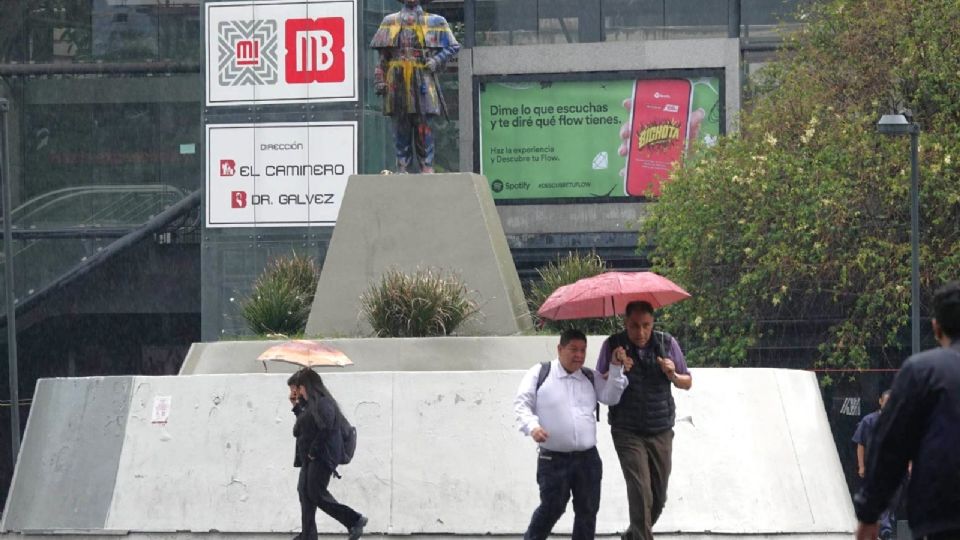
<point x="896" y="124"/>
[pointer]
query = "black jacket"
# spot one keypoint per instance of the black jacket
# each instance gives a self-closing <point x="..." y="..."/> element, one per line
<point x="314" y="432"/>
<point x="920" y="424"/>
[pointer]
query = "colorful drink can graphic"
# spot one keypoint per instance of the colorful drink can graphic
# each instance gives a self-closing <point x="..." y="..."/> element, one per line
<point x="658" y="133"/>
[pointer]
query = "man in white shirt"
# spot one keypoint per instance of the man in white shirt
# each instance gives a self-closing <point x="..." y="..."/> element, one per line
<point x="555" y="405"/>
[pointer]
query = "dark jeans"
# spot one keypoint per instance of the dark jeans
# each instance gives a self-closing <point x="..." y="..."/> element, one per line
<point x="646" y="461"/>
<point x="558" y="475"/>
<point x="888" y="518"/>
<point x="312" y="487"/>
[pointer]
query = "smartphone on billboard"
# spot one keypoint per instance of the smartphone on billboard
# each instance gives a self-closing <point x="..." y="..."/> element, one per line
<point x="658" y="133"/>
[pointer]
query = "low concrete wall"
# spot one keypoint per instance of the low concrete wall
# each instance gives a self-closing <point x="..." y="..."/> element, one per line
<point x="438" y="454"/>
<point x="395" y="354"/>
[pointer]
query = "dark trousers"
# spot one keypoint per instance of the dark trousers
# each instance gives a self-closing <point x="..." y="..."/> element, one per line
<point x="646" y="463"/>
<point x="312" y="487"/>
<point x="559" y="474"/>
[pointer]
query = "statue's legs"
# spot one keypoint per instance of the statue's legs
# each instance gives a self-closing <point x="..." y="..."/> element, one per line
<point x="412" y="131"/>
<point x="402" y="135"/>
<point x="423" y="141"/>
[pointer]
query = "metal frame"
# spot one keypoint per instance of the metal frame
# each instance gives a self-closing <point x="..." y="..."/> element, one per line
<point x="8" y="286"/>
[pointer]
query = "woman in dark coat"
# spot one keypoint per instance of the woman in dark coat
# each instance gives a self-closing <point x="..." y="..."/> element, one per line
<point x="314" y="429"/>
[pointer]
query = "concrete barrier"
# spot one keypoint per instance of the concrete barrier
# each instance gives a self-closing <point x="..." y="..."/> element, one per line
<point x="438" y="455"/>
<point x="394" y="354"/>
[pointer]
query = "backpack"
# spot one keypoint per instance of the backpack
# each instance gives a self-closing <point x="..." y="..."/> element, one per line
<point x="348" y="436"/>
<point x="545" y="370"/>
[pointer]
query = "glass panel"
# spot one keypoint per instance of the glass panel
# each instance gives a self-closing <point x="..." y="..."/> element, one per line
<point x="41" y="261"/>
<point x="662" y="19"/>
<point x="506" y="22"/>
<point x="760" y="19"/>
<point x="626" y="20"/>
<point x="70" y="31"/>
<point x="92" y="158"/>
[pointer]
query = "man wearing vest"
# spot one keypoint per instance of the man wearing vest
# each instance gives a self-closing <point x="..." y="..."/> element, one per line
<point x="555" y="405"/>
<point x="642" y="422"/>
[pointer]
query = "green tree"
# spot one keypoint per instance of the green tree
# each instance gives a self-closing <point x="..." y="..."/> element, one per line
<point x="805" y="213"/>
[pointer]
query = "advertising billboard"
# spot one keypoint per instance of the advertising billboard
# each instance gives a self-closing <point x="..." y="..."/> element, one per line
<point x="278" y="174"/>
<point x="592" y="139"/>
<point x="270" y="52"/>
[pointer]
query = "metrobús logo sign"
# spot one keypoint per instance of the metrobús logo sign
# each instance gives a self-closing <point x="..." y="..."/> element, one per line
<point x="281" y="52"/>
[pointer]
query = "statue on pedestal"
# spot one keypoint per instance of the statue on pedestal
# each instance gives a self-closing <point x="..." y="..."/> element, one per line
<point x="413" y="46"/>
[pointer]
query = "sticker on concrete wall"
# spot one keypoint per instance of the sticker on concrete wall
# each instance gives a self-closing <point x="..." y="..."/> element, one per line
<point x="278" y="175"/>
<point x="281" y="51"/>
<point x="161" y="409"/>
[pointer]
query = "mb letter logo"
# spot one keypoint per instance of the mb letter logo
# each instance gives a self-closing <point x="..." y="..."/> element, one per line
<point x="228" y="167"/>
<point x="315" y="50"/>
<point x="238" y="199"/>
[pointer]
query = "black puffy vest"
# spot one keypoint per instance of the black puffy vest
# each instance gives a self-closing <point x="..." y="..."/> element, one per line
<point x="647" y="405"/>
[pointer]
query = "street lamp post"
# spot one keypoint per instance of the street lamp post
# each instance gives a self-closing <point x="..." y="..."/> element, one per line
<point x="897" y="124"/>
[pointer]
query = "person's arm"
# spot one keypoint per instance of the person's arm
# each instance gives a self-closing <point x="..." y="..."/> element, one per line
<point x="603" y="359"/>
<point x="525" y="404"/>
<point x="609" y="389"/>
<point x="448" y="45"/>
<point x="379" y="79"/>
<point x="861" y="468"/>
<point x="675" y="367"/>
<point x="895" y="441"/>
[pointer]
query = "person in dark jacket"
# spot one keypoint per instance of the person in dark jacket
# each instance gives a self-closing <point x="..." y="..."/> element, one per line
<point x="920" y="424"/>
<point x="642" y="422"/>
<point x="315" y="432"/>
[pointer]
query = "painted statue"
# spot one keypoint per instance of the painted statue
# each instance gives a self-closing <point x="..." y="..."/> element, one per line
<point x="413" y="46"/>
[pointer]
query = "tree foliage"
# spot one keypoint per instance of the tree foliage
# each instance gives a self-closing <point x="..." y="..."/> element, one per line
<point x="805" y="214"/>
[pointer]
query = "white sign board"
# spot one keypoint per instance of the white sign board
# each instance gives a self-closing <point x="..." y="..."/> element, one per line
<point x="281" y="51"/>
<point x="161" y="409"/>
<point x="278" y="174"/>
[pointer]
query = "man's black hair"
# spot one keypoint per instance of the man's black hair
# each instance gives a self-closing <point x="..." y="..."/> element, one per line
<point x="571" y="334"/>
<point x="638" y="306"/>
<point x="946" y="309"/>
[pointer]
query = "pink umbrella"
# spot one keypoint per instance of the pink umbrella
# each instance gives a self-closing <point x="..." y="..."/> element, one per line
<point x="608" y="294"/>
<point x="306" y="353"/>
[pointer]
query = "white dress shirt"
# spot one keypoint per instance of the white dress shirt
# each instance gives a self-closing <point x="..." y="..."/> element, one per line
<point x="565" y="404"/>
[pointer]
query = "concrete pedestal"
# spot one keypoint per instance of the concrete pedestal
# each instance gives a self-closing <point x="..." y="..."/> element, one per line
<point x="444" y="221"/>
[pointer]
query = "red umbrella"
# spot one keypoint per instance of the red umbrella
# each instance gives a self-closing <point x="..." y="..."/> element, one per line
<point x="608" y="294"/>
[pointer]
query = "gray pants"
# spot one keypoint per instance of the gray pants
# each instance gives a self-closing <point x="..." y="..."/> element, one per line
<point x="645" y="461"/>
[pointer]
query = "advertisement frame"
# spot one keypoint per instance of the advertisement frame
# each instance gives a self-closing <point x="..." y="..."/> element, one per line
<point x="586" y="76"/>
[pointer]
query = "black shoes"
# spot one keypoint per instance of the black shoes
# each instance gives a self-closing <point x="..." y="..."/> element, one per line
<point x="357" y="530"/>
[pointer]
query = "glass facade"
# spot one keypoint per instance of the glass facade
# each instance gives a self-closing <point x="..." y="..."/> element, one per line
<point x="527" y="22"/>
